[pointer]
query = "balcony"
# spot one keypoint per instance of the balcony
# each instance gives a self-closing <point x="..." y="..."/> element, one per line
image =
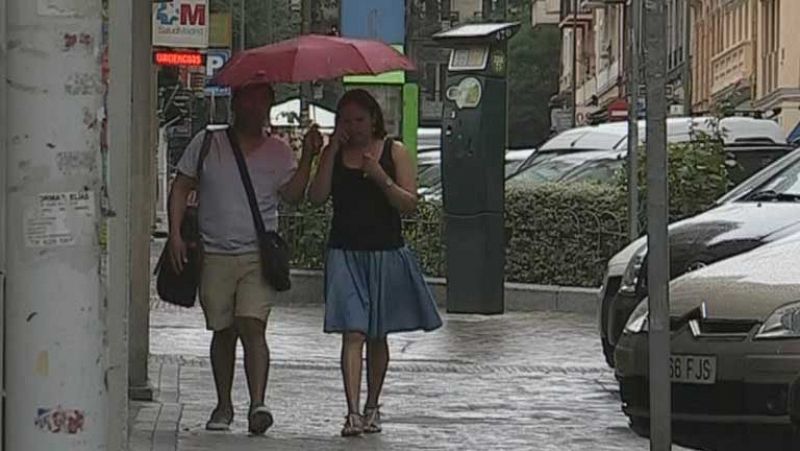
<point x="568" y="19"/>
<point x="608" y="77"/>
<point x="769" y="73"/>
<point x="587" y="5"/>
<point x="545" y="12"/>
<point x="732" y="66"/>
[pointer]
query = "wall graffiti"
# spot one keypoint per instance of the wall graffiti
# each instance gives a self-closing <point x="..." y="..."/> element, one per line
<point x="60" y="421"/>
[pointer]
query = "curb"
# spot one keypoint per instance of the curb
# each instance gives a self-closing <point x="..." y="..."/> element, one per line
<point x="307" y="288"/>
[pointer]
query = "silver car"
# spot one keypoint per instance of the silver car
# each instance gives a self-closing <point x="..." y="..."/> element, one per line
<point x="735" y="346"/>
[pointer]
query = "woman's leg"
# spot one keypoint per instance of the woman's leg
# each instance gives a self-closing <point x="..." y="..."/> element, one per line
<point x="377" y="363"/>
<point x="352" y="349"/>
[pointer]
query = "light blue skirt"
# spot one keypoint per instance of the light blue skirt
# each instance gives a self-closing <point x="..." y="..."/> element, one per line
<point x="377" y="293"/>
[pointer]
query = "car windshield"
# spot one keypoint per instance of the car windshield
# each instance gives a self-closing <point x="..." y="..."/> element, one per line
<point x="741" y="191"/>
<point x="552" y="167"/>
<point x="512" y="167"/>
<point x="430" y="176"/>
<point x="782" y="187"/>
<point x="597" y="171"/>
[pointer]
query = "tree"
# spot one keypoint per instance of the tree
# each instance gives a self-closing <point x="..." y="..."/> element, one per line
<point x="533" y="73"/>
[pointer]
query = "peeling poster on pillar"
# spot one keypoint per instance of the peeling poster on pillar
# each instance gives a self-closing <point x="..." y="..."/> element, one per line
<point x="60" y="421"/>
<point x="59" y="219"/>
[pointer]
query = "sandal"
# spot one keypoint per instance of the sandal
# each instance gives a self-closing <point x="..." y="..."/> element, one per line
<point x="259" y="420"/>
<point x="372" y="420"/>
<point x="219" y="421"/>
<point x="353" y="425"/>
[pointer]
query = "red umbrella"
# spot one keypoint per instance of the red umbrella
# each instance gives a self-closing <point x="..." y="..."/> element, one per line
<point x="309" y="58"/>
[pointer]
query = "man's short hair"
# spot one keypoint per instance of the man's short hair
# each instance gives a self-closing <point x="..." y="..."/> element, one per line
<point x="235" y="92"/>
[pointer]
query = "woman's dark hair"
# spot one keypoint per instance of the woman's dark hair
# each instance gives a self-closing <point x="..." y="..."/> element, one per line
<point x="364" y="99"/>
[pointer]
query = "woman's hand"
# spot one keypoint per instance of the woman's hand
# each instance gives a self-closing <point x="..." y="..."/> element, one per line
<point x="372" y="169"/>
<point x="338" y="140"/>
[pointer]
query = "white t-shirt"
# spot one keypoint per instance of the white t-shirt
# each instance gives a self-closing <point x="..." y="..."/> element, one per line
<point x="225" y="221"/>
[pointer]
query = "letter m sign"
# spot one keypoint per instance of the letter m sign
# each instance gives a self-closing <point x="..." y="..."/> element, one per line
<point x="193" y="14"/>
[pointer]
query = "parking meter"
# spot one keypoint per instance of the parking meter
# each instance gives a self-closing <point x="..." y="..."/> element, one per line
<point x="473" y="158"/>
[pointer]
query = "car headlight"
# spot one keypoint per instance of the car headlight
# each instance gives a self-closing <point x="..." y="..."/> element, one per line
<point x="782" y="323"/>
<point x="630" y="278"/>
<point x="637" y="322"/>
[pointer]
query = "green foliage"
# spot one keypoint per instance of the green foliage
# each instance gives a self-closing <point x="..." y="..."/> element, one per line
<point x="532" y="79"/>
<point x="698" y="175"/>
<point x="563" y="234"/>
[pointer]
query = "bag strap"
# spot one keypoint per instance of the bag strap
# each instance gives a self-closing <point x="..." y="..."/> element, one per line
<point x="204" y="149"/>
<point x="258" y="221"/>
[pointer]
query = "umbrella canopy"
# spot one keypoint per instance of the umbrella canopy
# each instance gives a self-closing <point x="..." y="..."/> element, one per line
<point x="310" y="58"/>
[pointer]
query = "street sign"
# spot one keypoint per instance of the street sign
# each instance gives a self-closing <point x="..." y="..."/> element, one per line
<point x="181" y="23"/>
<point x="173" y="58"/>
<point x="215" y="59"/>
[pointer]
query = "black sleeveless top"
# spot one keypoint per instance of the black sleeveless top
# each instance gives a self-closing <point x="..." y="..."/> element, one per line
<point x="363" y="218"/>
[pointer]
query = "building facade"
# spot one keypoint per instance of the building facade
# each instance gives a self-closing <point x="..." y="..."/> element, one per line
<point x="723" y="66"/>
<point x="592" y="58"/>
<point x="777" y="60"/>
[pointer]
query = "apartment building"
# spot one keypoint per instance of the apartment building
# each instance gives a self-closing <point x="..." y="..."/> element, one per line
<point x="777" y="61"/>
<point x="723" y="66"/>
<point x="601" y="30"/>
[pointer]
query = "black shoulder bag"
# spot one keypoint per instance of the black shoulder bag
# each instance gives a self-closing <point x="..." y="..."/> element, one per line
<point x="181" y="288"/>
<point x="273" y="249"/>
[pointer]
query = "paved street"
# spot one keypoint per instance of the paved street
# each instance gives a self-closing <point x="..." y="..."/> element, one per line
<point x="517" y="381"/>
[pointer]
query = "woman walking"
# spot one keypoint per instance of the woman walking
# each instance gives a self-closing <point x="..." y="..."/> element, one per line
<point x="373" y="282"/>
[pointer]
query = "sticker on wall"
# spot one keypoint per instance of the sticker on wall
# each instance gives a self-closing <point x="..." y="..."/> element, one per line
<point x="59" y="219"/>
<point x="60" y="421"/>
<point x="466" y="94"/>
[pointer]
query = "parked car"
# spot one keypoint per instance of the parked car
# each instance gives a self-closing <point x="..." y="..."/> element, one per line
<point x="735" y="345"/>
<point x="569" y="167"/>
<point x="430" y="173"/>
<point x="596" y="153"/>
<point x="761" y="210"/>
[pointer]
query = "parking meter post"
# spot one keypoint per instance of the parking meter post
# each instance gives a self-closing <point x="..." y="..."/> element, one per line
<point x="633" y="49"/>
<point x="657" y="220"/>
<point x="473" y="158"/>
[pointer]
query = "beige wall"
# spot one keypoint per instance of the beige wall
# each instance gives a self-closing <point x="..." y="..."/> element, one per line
<point x="722" y="47"/>
<point x="778" y="60"/>
<point x="600" y="54"/>
<point x="544" y="12"/>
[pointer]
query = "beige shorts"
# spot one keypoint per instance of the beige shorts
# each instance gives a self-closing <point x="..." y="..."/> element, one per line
<point x="231" y="286"/>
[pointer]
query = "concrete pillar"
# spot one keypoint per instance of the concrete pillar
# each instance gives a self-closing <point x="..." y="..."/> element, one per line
<point x="3" y="136"/>
<point x="142" y="201"/>
<point x="120" y="105"/>
<point x="56" y="382"/>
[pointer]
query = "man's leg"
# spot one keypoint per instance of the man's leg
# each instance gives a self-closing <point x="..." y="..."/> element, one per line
<point x="217" y="290"/>
<point x="252" y="313"/>
<point x="256" y="356"/>
<point x="223" y="360"/>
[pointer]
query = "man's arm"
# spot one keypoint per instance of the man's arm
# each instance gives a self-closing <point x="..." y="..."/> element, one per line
<point x="294" y="191"/>
<point x="181" y="187"/>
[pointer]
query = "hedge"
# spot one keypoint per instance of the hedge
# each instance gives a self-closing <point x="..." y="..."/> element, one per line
<point x="559" y="234"/>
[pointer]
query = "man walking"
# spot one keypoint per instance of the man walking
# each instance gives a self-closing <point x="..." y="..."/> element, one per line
<point x="234" y="295"/>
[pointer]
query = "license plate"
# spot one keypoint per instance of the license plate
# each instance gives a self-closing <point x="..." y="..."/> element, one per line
<point x="693" y="369"/>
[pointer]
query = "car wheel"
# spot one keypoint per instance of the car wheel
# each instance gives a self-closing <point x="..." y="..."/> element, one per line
<point x="608" y="351"/>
